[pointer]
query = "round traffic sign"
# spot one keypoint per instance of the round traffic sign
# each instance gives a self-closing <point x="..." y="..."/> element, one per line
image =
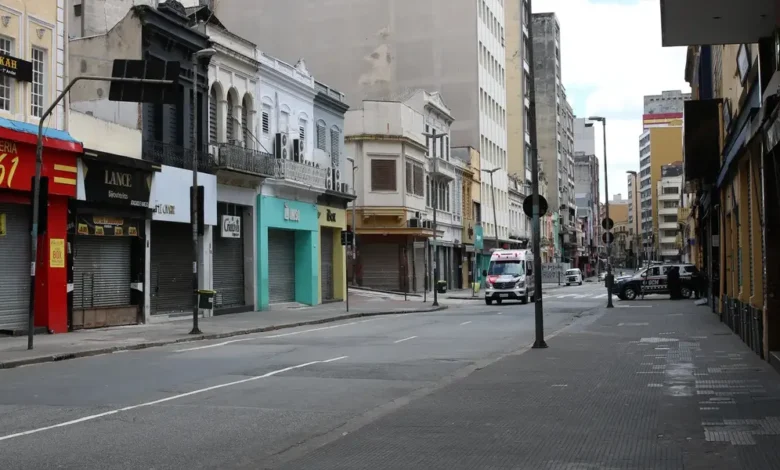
<point x="528" y="206"/>
<point x="608" y="237"/>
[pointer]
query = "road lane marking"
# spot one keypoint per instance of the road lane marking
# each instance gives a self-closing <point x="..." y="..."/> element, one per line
<point x="465" y="323"/>
<point x="225" y="343"/>
<point x="500" y="313"/>
<point x="405" y="339"/>
<point x="634" y="306"/>
<point x="164" y="400"/>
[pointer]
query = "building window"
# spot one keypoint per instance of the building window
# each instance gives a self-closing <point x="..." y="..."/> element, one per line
<point x="266" y="120"/>
<point x="6" y="83"/>
<point x="321" y="135"/>
<point x="383" y="176"/>
<point x="302" y="130"/>
<point x="38" y="86"/>
<point x="213" y="115"/>
<point x="230" y="135"/>
<point x="245" y="124"/>
<point x="335" y="152"/>
<point x="414" y="179"/>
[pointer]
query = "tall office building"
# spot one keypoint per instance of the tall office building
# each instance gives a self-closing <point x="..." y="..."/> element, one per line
<point x="659" y="144"/>
<point x="554" y="126"/>
<point x="375" y="49"/>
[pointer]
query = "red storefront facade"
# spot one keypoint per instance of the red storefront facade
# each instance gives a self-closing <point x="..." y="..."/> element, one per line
<point x="17" y="168"/>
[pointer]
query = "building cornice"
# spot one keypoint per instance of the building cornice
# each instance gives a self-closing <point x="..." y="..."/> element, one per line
<point x="285" y="80"/>
<point x="387" y="138"/>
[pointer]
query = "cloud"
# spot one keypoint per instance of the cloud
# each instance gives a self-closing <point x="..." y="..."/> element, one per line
<point x="611" y="56"/>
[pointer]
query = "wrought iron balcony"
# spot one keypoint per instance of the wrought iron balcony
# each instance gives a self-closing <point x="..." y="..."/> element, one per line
<point x="301" y="173"/>
<point x="177" y="156"/>
<point x="241" y="159"/>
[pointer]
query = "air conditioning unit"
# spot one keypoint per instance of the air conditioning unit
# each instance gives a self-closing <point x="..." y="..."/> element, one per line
<point x="281" y="146"/>
<point x="298" y="150"/>
<point x="345" y="188"/>
<point x="427" y="224"/>
<point x="335" y="175"/>
<point x="414" y="223"/>
<point x="329" y="181"/>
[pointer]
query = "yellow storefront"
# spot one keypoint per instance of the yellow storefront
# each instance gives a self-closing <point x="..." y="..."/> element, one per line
<point x="332" y="270"/>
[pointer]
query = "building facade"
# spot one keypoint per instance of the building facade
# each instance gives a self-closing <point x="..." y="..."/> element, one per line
<point x="518" y="88"/>
<point x="586" y="183"/>
<point x="391" y="218"/>
<point x="669" y="193"/>
<point x="554" y="129"/>
<point x="33" y="42"/>
<point x="372" y="61"/>
<point x="659" y="144"/>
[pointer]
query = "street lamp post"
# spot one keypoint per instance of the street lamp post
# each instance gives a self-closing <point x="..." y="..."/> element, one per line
<point x="196" y="58"/>
<point x="493" y="202"/>
<point x="354" y="230"/>
<point x="435" y="200"/>
<point x="607" y="227"/>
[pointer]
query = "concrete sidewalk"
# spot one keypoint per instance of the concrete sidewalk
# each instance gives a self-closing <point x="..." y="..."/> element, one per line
<point x="48" y="348"/>
<point x="647" y="385"/>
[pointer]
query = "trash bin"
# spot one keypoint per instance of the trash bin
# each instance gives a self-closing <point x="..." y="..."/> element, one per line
<point x="206" y="299"/>
<point x="441" y="287"/>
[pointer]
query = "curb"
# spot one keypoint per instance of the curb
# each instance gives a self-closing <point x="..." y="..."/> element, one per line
<point x="380" y="291"/>
<point x="156" y="344"/>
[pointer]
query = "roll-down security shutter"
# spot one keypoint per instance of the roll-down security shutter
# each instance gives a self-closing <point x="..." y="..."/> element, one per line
<point x="101" y="272"/>
<point x="281" y="266"/>
<point x="171" y="264"/>
<point x="326" y="262"/>
<point x="15" y="268"/>
<point x="381" y="266"/>
<point x="228" y="267"/>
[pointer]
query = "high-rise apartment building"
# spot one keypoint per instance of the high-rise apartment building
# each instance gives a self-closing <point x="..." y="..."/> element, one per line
<point x="668" y="191"/>
<point x="633" y="202"/>
<point x="554" y="125"/>
<point x="659" y="144"/>
<point x="518" y="87"/>
<point x="584" y="137"/>
<point x="370" y="50"/>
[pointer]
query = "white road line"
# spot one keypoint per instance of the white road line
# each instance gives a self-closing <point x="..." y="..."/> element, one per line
<point x="500" y="313"/>
<point x="634" y="306"/>
<point x="164" y="400"/>
<point x="602" y="296"/>
<point x="225" y="343"/>
<point x="405" y="339"/>
<point x="465" y="323"/>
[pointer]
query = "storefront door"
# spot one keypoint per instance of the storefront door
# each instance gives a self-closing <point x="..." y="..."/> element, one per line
<point x="15" y="256"/>
<point x="229" y="257"/>
<point x="281" y="262"/>
<point x="326" y="263"/>
<point x="171" y="265"/>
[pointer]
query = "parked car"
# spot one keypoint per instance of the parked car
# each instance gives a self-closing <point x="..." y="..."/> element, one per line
<point x="653" y="280"/>
<point x="573" y="276"/>
<point x="603" y="276"/>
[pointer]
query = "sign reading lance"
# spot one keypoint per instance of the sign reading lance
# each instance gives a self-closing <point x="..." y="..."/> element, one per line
<point x="105" y="182"/>
<point x="231" y="226"/>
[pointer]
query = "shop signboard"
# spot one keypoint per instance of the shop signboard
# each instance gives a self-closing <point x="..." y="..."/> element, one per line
<point x="109" y="183"/>
<point x="98" y="225"/>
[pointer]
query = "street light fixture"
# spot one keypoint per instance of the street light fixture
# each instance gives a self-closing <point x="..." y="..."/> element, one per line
<point x="493" y="202"/>
<point x="435" y="200"/>
<point x="607" y="227"/>
<point x="196" y="58"/>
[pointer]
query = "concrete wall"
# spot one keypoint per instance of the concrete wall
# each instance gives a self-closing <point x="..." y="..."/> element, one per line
<point x="584" y="137"/>
<point x="93" y="56"/>
<point x="99" y="16"/>
<point x="105" y="136"/>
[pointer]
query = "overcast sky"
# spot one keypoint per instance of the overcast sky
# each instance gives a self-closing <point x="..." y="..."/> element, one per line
<point x="611" y="56"/>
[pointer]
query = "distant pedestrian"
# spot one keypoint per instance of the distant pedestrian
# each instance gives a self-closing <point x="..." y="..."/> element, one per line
<point x="673" y="283"/>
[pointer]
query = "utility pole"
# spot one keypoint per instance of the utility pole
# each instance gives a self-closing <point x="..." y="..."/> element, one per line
<point x="353" y="253"/>
<point x="493" y="202"/>
<point x="196" y="57"/>
<point x="607" y="225"/>
<point x="435" y="200"/>
<point x="36" y="196"/>
<point x="539" y="343"/>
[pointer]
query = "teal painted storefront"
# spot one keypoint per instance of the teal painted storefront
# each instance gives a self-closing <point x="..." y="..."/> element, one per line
<point x="275" y="213"/>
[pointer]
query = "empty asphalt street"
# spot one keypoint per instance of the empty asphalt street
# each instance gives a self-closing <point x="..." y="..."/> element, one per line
<point x="256" y="401"/>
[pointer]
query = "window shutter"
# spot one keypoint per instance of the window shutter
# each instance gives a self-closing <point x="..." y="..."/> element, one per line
<point x="419" y="189"/>
<point x="266" y="123"/>
<point x="320" y="136"/>
<point x="335" y="136"/>
<point x="245" y="122"/>
<point x="383" y="175"/>
<point x="409" y="178"/>
<point x="213" y="116"/>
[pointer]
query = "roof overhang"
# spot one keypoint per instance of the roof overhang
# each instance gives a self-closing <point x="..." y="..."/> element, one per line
<point x="703" y="22"/>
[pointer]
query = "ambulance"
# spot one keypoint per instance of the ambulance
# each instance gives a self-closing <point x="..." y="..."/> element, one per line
<point x="510" y="276"/>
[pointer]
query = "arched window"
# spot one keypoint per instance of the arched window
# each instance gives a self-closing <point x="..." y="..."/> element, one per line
<point x="213" y="99"/>
<point x="231" y="134"/>
<point x="246" y="126"/>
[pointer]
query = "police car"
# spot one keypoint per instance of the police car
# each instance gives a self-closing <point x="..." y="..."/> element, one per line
<point x="510" y="275"/>
<point x="653" y="280"/>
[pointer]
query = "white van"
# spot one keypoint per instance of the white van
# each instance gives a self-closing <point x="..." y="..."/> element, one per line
<point x="573" y="276"/>
<point x="510" y="275"/>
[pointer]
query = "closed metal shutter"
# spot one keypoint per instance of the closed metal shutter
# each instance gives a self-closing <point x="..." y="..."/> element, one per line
<point x="228" y="266"/>
<point x="326" y="263"/>
<point x="171" y="264"/>
<point x="101" y="272"/>
<point x="281" y="266"/>
<point x="381" y="266"/>
<point x="15" y="268"/>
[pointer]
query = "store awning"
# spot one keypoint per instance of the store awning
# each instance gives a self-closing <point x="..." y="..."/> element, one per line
<point x="28" y="133"/>
<point x="700" y="22"/>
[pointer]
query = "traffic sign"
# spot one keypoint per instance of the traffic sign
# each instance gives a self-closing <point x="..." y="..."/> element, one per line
<point x="608" y="237"/>
<point x="607" y="224"/>
<point x="528" y="206"/>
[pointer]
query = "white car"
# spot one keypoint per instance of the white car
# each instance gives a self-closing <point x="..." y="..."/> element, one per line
<point x="603" y="276"/>
<point x="573" y="276"/>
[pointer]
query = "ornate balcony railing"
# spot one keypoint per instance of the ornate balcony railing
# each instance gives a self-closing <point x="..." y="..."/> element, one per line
<point x="301" y="173"/>
<point x="177" y="156"/>
<point x="238" y="158"/>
